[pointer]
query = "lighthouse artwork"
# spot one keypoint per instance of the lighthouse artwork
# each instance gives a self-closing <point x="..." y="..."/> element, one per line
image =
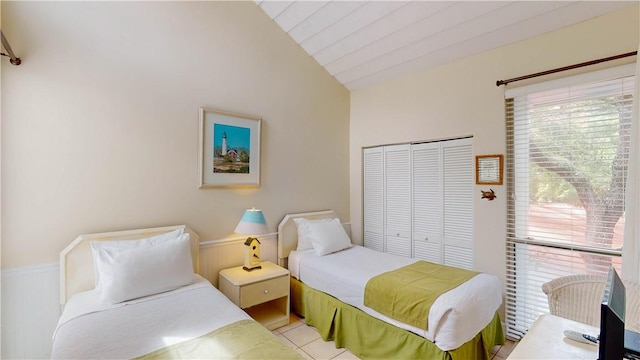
<point x="231" y="149"/>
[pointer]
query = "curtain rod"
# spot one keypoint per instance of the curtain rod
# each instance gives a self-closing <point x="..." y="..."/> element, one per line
<point x="574" y="66"/>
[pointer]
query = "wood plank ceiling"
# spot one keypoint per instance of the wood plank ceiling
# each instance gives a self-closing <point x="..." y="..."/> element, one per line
<point x="362" y="43"/>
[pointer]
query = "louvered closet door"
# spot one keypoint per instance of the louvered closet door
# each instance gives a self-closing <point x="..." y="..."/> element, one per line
<point x="427" y="202"/>
<point x="397" y="164"/>
<point x="458" y="173"/>
<point x="373" y="201"/>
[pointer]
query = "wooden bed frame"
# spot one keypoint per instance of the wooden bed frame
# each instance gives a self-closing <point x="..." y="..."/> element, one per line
<point x="76" y="261"/>
<point x="408" y="343"/>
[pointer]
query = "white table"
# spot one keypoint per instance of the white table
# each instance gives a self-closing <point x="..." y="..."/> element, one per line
<point x="545" y="340"/>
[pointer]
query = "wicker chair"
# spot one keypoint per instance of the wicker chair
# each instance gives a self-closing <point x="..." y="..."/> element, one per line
<point x="578" y="297"/>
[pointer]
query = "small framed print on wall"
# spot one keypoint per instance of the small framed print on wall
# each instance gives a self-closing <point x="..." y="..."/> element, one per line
<point x="489" y="169"/>
<point x="229" y="149"/>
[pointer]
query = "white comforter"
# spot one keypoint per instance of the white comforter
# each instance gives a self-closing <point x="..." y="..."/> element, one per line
<point x="88" y="329"/>
<point x="454" y="318"/>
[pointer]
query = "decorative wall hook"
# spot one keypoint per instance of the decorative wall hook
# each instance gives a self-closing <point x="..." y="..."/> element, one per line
<point x="489" y="195"/>
<point x="13" y="59"/>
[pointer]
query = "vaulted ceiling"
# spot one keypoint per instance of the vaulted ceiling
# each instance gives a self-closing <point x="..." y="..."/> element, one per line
<point x="362" y="43"/>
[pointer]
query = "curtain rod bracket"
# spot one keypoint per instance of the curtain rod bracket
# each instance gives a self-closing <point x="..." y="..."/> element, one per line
<point x="13" y="59"/>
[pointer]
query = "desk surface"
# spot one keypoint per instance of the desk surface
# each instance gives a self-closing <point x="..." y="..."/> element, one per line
<point x="545" y="340"/>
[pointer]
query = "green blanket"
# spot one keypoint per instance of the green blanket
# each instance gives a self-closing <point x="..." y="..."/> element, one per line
<point x="245" y="339"/>
<point x="406" y="294"/>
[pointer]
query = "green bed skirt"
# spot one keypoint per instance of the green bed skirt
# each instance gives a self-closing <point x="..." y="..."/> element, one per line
<point x="371" y="338"/>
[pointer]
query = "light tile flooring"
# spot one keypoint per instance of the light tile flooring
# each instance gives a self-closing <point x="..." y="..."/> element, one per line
<point x="307" y="341"/>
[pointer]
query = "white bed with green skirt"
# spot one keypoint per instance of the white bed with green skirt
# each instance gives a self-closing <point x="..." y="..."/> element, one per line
<point x="330" y="291"/>
<point x="150" y="315"/>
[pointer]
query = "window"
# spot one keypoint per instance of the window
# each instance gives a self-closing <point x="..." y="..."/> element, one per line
<point x="568" y="151"/>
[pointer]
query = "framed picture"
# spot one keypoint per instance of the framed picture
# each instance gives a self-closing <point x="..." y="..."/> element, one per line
<point x="229" y="152"/>
<point x="489" y="169"/>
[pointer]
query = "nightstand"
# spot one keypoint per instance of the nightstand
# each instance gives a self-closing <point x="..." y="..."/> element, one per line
<point x="262" y="293"/>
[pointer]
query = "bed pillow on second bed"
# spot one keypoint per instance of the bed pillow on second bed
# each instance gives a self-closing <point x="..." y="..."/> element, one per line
<point x="304" y="232"/>
<point x="328" y="237"/>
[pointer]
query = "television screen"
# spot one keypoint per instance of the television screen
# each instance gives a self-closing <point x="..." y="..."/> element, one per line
<point x="612" y="311"/>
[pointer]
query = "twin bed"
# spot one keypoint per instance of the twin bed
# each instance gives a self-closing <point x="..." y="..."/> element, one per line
<point x="330" y="291"/>
<point x="117" y="303"/>
<point x="190" y="320"/>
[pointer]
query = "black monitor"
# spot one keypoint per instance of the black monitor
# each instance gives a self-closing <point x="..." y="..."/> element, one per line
<point x="612" y="312"/>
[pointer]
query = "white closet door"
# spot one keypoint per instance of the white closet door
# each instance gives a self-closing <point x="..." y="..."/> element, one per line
<point x="427" y="202"/>
<point x="373" y="201"/>
<point x="397" y="164"/>
<point x="458" y="202"/>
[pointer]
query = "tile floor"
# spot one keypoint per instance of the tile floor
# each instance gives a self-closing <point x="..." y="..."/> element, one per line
<point x="307" y="341"/>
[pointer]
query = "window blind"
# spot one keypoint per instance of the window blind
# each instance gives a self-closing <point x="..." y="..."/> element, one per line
<point x="567" y="155"/>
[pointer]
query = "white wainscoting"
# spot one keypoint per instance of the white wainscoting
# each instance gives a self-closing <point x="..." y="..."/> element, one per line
<point x="30" y="301"/>
<point x="30" y="311"/>
<point x="221" y="254"/>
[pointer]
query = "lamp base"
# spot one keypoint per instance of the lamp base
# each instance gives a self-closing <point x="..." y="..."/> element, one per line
<point x="251" y="269"/>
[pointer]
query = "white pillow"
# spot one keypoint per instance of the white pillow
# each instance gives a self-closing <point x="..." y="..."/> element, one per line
<point x="127" y="244"/>
<point x="328" y="237"/>
<point x="141" y="271"/>
<point x="304" y="234"/>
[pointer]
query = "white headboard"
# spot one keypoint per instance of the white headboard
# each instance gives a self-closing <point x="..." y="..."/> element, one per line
<point x="76" y="262"/>
<point x="288" y="232"/>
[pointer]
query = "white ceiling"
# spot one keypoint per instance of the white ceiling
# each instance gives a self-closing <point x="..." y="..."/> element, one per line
<point x="362" y="43"/>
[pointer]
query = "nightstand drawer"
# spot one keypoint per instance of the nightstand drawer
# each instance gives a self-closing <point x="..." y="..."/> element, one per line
<point x="264" y="291"/>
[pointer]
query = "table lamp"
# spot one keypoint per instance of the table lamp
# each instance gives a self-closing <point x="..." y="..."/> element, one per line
<point x="252" y="223"/>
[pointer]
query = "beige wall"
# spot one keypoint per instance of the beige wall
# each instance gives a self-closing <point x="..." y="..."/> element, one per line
<point x="461" y="98"/>
<point x="100" y="122"/>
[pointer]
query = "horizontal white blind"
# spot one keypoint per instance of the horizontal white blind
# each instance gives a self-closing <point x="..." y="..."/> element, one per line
<point x="566" y="167"/>
<point x="590" y="77"/>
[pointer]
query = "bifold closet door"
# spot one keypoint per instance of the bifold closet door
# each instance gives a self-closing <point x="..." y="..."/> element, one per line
<point x="397" y="199"/>
<point x="427" y="201"/>
<point x="418" y="201"/>
<point x="458" y="175"/>
<point x="373" y="198"/>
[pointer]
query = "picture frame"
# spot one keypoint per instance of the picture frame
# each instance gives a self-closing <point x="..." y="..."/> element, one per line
<point x="229" y="149"/>
<point x="489" y="169"/>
